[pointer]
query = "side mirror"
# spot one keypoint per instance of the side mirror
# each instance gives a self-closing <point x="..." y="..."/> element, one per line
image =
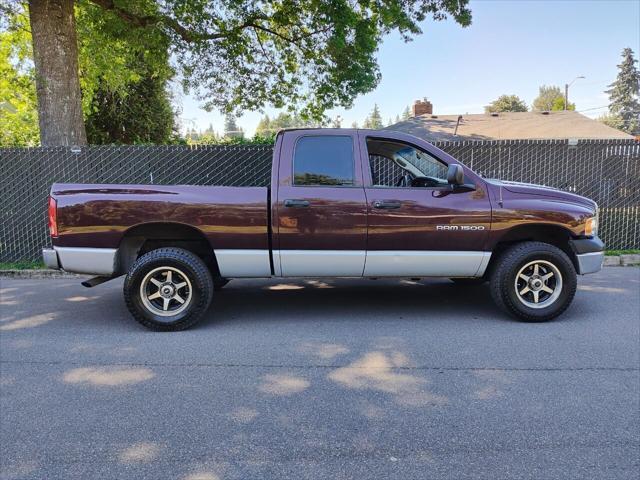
<point x="455" y="174"/>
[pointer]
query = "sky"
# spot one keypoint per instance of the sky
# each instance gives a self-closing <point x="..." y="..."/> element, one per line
<point x="512" y="47"/>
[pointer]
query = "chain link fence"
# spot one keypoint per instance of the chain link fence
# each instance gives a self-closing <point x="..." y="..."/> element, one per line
<point x="607" y="171"/>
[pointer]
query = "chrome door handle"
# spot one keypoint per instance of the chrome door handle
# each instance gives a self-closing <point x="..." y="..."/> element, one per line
<point x="293" y="203"/>
<point x="387" y="204"/>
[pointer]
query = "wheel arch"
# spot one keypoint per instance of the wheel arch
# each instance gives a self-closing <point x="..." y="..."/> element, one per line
<point x="552" y="234"/>
<point x="144" y="237"/>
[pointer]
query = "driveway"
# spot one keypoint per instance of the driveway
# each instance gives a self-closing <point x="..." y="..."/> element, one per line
<point x="320" y="379"/>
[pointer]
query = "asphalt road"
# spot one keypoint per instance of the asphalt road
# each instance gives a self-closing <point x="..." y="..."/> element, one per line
<point x="312" y="379"/>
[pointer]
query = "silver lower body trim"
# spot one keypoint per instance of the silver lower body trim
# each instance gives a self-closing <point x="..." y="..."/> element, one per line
<point x="412" y="263"/>
<point x="322" y="263"/>
<point x="93" y="261"/>
<point x="235" y="263"/>
<point x="590" y="262"/>
<point x="50" y="258"/>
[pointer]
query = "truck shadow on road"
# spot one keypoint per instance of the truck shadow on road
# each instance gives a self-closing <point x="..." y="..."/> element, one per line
<point x="311" y="300"/>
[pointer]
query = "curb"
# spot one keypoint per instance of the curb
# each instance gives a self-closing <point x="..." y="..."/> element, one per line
<point x="622" y="260"/>
<point x="609" y="261"/>
<point x="38" y="273"/>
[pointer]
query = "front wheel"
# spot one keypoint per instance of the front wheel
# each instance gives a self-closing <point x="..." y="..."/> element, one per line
<point x="533" y="281"/>
<point x="168" y="289"/>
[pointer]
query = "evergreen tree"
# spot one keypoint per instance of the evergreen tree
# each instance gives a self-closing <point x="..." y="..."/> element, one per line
<point x="406" y="115"/>
<point x="374" y="120"/>
<point x="624" y="94"/>
<point x="231" y="129"/>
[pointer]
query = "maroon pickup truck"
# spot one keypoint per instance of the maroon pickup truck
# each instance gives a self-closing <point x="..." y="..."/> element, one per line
<point x="342" y="203"/>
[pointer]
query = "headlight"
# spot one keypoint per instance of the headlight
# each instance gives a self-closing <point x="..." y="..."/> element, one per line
<point x="591" y="225"/>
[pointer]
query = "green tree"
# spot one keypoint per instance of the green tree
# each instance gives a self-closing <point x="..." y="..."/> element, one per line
<point x="231" y="128"/>
<point x="235" y="54"/>
<point x="507" y="103"/>
<point x="143" y="113"/>
<point x="624" y="92"/>
<point x="270" y="126"/>
<point x="264" y="126"/>
<point x="406" y="114"/>
<point x="550" y="98"/>
<point x="613" y="121"/>
<point x="125" y="89"/>
<point x="18" y="114"/>
<point x="374" y="120"/>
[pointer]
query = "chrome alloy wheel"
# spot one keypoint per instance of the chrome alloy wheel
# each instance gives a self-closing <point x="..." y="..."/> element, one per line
<point x="166" y="291"/>
<point x="538" y="284"/>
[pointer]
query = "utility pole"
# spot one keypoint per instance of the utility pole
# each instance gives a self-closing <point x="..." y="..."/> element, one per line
<point x="566" y="91"/>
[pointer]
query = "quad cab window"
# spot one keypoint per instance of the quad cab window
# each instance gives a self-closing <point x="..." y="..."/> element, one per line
<point x="324" y="160"/>
<point x="397" y="164"/>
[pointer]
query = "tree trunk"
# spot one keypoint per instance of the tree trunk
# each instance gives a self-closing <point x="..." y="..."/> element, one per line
<point x="55" y="54"/>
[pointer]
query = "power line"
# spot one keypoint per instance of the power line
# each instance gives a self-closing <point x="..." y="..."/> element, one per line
<point x="594" y="108"/>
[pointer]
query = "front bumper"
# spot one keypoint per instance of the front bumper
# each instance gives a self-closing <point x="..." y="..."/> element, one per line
<point x="589" y="254"/>
<point x="50" y="258"/>
<point x="590" y="262"/>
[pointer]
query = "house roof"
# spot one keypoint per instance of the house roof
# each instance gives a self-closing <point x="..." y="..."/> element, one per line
<point x="507" y="126"/>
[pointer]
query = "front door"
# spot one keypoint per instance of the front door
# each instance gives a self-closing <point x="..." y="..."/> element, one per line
<point x="418" y="226"/>
<point x="321" y="211"/>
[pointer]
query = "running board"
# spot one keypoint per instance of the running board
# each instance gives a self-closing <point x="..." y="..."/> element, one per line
<point x="92" y="282"/>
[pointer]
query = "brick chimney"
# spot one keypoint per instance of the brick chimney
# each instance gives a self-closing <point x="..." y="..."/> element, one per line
<point x="422" y="107"/>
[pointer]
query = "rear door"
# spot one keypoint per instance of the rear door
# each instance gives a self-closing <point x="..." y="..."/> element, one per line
<point x="418" y="226"/>
<point x="321" y="211"/>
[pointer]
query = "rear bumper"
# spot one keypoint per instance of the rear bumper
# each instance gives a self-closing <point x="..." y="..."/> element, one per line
<point x="589" y="254"/>
<point x="50" y="258"/>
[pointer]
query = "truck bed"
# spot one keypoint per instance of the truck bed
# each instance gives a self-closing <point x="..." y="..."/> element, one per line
<point x="99" y="215"/>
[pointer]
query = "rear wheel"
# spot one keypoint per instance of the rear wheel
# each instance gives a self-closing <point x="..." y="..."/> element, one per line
<point x="168" y="289"/>
<point x="533" y="281"/>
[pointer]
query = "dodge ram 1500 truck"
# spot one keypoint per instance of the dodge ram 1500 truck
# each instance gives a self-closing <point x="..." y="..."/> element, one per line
<point x="341" y="203"/>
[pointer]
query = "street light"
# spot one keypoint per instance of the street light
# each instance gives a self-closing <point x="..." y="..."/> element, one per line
<point x="566" y="91"/>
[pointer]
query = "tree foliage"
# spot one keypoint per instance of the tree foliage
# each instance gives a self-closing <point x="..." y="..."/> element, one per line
<point x="18" y="111"/>
<point x="124" y="76"/>
<point x="624" y="95"/>
<point x="270" y="126"/>
<point x="550" y="98"/>
<point x="139" y="113"/>
<point x="507" y="103"/>
<point x="245" y="54"/>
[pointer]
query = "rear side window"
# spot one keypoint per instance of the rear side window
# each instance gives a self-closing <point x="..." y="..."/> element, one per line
<point x="323" y="160"/>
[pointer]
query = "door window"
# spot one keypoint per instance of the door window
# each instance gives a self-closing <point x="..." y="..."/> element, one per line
<point x="324" y="160"/>
<point x="397" y="164"/>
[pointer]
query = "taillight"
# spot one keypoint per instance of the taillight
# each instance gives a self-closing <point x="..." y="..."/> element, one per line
<point x="53" y="217"/>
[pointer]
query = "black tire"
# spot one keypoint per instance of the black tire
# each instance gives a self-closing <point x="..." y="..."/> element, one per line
<point x="195" y="285"/>
<point x="526" y="255"/>
<point x="468" y="281"/>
